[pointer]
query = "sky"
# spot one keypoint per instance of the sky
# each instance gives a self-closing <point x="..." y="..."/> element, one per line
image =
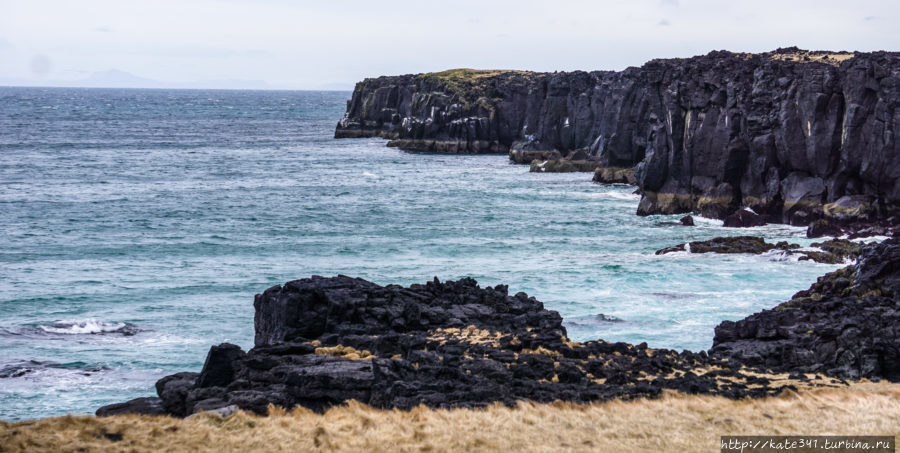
<point x="282" y="44"/>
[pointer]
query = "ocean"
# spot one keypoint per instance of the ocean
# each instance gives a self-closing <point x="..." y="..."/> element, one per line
<point x="137" y="225"/>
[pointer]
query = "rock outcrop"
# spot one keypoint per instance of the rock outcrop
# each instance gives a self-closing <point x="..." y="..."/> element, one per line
<point x="847" y="324"/>
<point x="794" y="135"/>
<point x="833" y="251"/>
<point x="323" y="341"/>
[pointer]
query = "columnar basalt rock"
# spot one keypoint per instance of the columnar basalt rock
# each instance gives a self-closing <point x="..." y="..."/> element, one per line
<point x="794" y="135"/>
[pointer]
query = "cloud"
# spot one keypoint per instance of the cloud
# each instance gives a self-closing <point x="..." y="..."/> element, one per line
<point x="870" y="18"/>
<point x="669" y="2"/>
<point x="103" y="29"/>
<point x="664" y="23"/>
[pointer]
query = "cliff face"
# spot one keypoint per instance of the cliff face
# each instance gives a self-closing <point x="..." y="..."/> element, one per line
<point x="793" y="135"/>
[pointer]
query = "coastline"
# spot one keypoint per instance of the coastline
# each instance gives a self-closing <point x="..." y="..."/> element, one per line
<point x="791" y="135"/>
<point x="673" y="422"/>
<point x="615" y="173"/>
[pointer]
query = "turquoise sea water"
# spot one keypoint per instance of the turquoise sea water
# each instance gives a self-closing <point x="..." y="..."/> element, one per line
<point x="138" y="224"/>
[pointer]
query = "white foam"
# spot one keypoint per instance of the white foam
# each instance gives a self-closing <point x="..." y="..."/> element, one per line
<point x="83" y="326"/>
<point x="627" y="196"/>
<point x="780" y="255"/>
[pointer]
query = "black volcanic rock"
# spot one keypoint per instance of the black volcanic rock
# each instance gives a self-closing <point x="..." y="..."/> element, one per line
<point x="323" y="341"/>
<point x="743" y="218"/>
<point x="146" y="406"/>
<point x="791" y="134"/>
<point x="834" y="251"/>
<point x="845" y="325"/>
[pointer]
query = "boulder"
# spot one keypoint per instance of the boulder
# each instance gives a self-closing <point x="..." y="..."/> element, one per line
<point x="141" y="406"/>
<point x="823" y="227"/>
<point x="744" y="218"/>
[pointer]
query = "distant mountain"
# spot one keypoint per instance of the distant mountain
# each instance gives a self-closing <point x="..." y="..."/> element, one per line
<point x="115" y="78"/>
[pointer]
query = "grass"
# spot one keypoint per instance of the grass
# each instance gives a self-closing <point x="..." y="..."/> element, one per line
<point x="468" y="85"/>
<point x="674" y="422"/>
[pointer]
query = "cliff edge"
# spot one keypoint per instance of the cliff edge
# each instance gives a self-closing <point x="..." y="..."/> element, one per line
<point x="794" y="135"/>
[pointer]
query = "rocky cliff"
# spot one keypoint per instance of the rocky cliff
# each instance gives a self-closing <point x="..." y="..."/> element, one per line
<point x="847" y="324"/>
<point x="791" y="134"/>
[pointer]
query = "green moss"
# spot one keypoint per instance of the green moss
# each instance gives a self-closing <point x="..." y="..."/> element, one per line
<point x="468" y="85"/>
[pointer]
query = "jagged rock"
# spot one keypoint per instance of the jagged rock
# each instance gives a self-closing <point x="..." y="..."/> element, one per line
<point x="524" y="156"/>
<point x="744" y="218"/>
<point x="834" y="251"/>
<point x="323" y="341"/>
<point x="734" y="244"/>
<point x="790" y="134"/>
<point x="844" y="325"/>
<point x="848" y="208"/>
<point x="687" y="221"/>
<point x="608" y="175"/>
<point x="821" y="228"/>
<point x="146" y="406"/>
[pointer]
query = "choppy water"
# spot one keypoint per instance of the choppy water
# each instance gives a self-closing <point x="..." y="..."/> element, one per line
<point x="138" y="225"/>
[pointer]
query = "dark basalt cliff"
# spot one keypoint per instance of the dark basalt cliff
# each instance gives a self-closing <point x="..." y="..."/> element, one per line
<point x="793" y="135"/>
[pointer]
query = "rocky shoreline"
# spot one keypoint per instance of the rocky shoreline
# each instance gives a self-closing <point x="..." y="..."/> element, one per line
<point x="321" y="342"/>
<point x="794" y="135"/>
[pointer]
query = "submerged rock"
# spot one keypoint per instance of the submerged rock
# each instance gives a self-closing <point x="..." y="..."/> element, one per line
<point x="846" y="324"/>
<point x="834" y="251"/>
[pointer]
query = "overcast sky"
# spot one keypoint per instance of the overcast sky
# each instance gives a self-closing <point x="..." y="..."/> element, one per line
<point x="332" y="44"/>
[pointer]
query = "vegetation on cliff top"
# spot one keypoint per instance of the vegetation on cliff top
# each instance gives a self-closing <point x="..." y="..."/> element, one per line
<point x="468" y="84"/>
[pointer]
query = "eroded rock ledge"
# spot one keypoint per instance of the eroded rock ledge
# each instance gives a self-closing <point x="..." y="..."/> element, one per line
<point x="794" y="135"/>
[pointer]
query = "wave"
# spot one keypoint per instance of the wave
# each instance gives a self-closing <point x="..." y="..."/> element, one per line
<point x="89" y="327"/>
<point x="25" y="368"/>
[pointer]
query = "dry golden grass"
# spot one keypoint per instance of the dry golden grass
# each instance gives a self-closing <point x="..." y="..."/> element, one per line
<point x="834" y="58"/>
<point x="347" y="352"/>
<point x="672" y="423"/>
<point x="470" y="334"/>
